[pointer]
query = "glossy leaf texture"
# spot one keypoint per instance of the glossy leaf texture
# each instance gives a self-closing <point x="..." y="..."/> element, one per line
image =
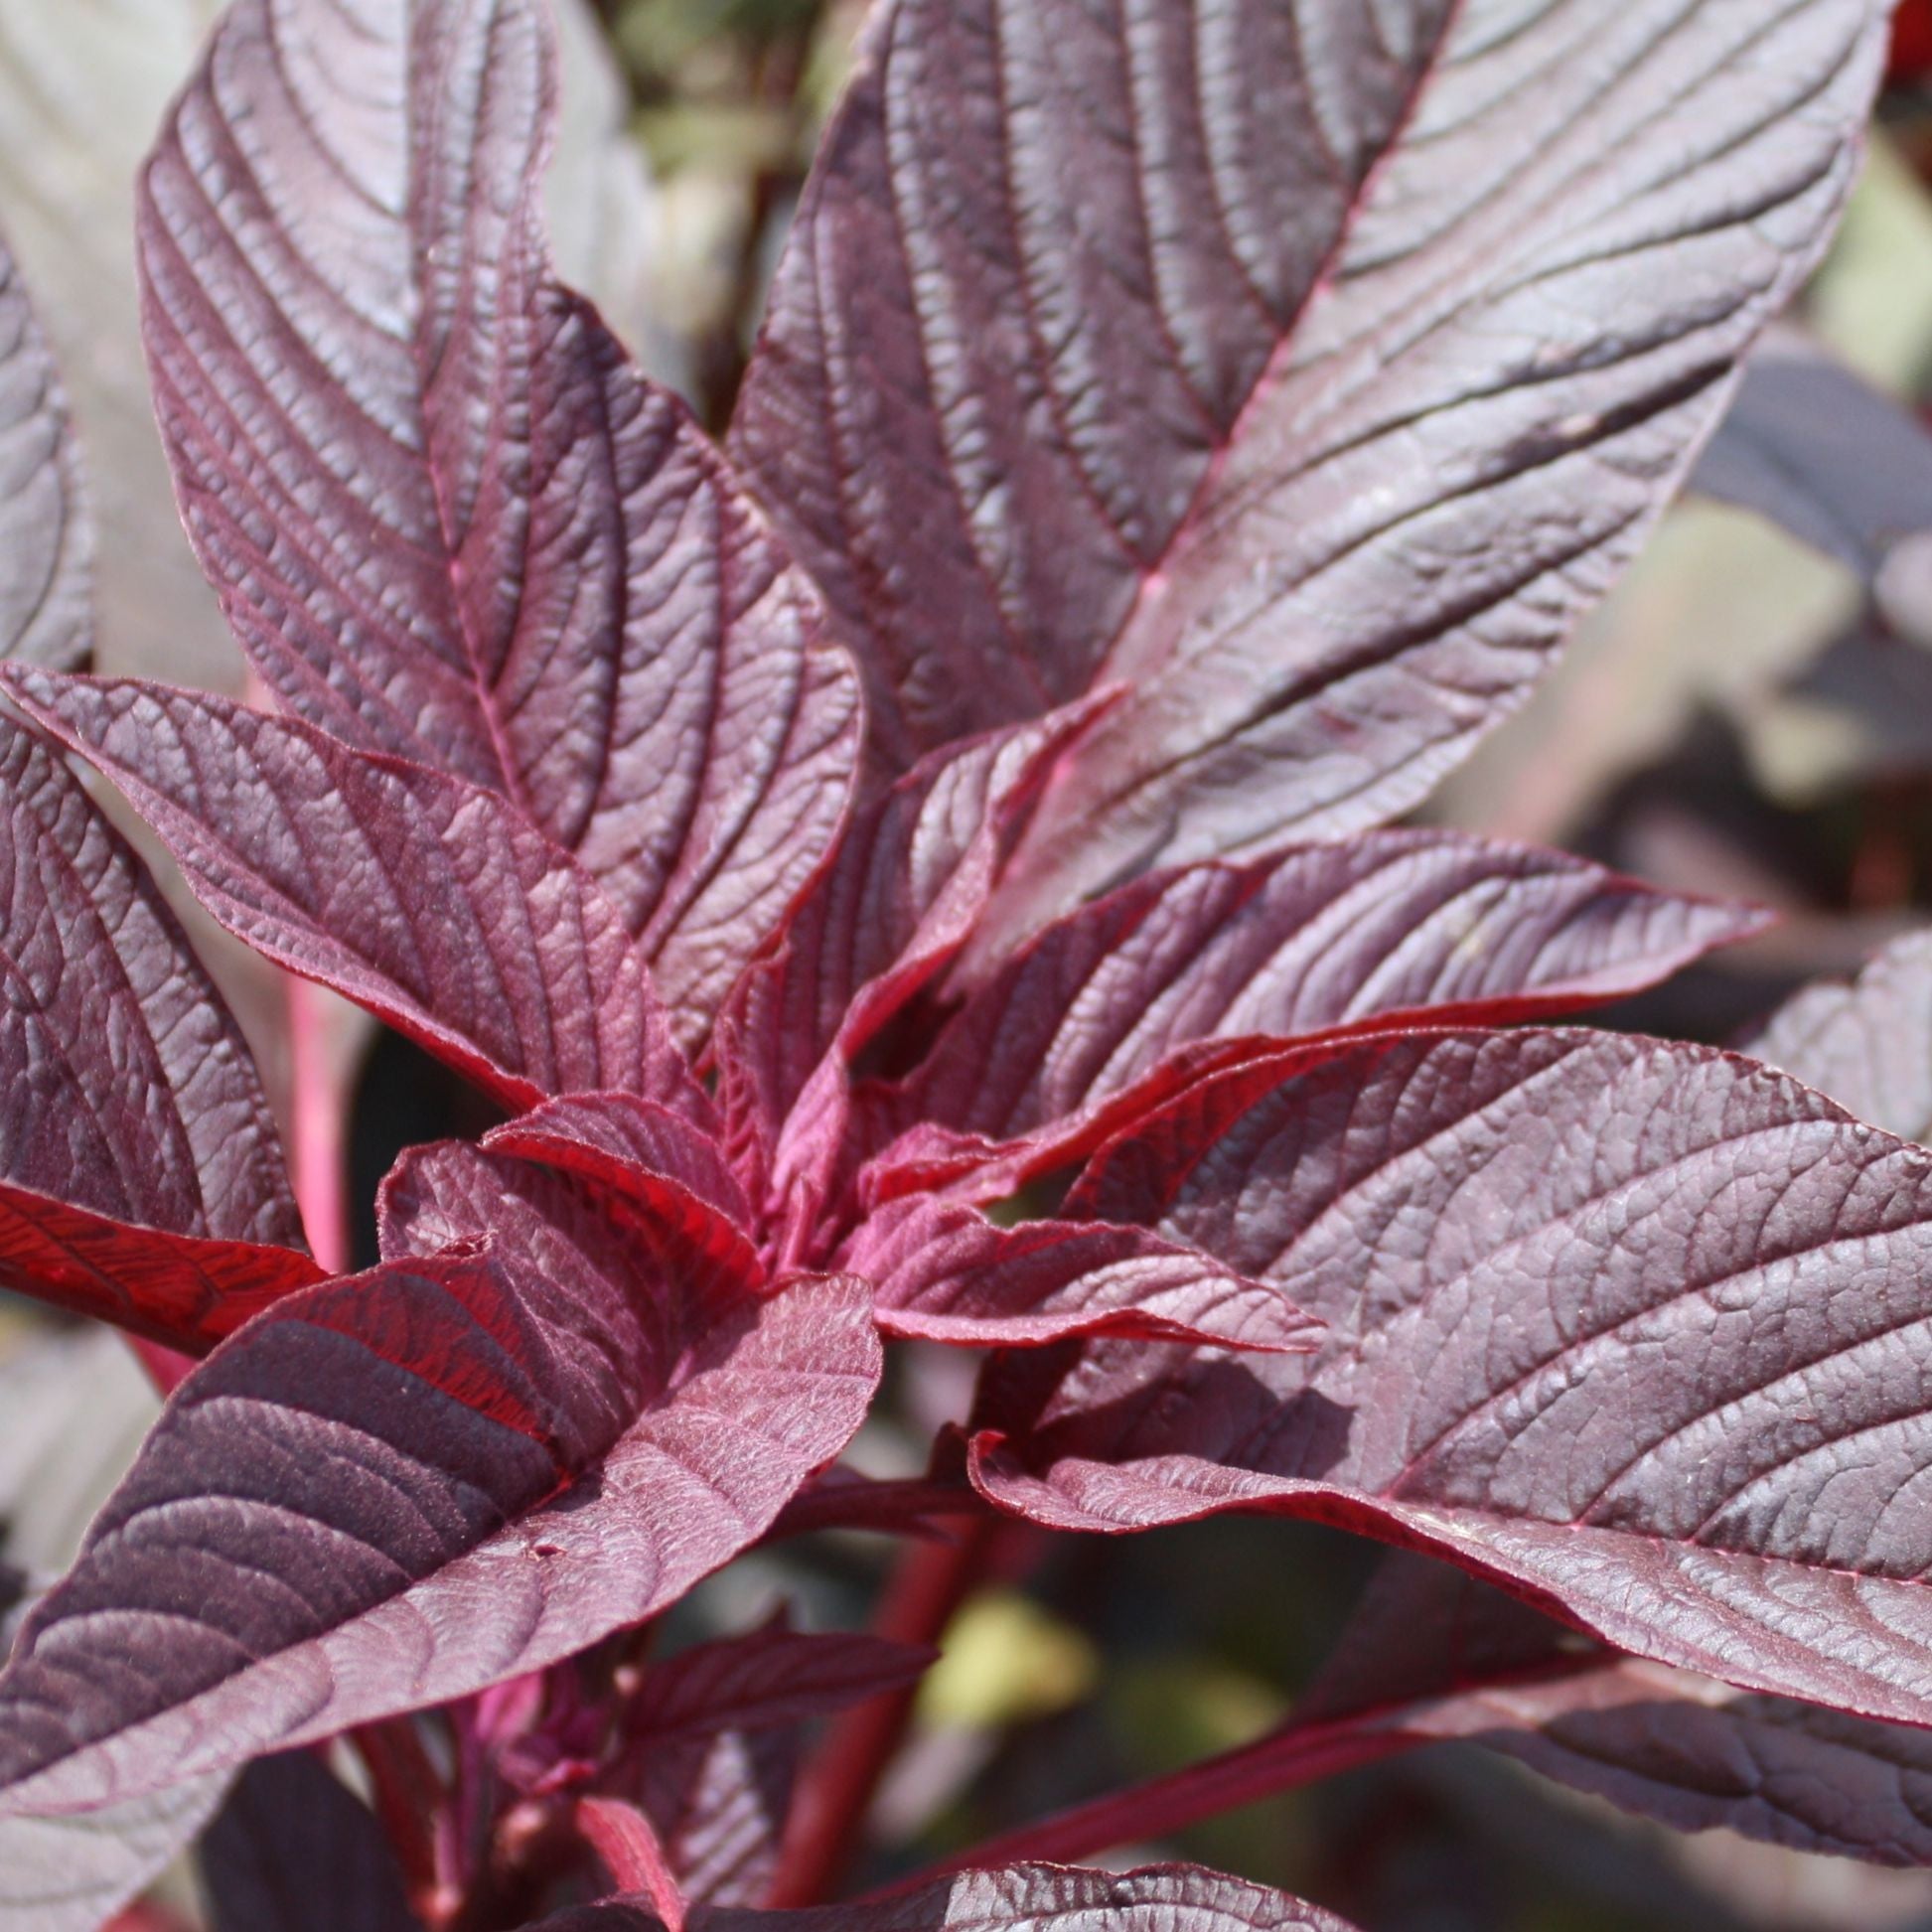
<point x="1013" y="1898"/>
<point x="395" y="1489"/>
<point x="446" y="515"/>
<point x="46" y="541"/>
<point x="943" y="1272"/>
<point x="1383" y="335"/>
<point x="141" y="1178"/>
<point x="1084" y="1025"/>
<point x="1636" y="1330"/>
<point x="1868" y="1044"/>
<point x="425" y="899"/>
<point x="294" y="1851"/>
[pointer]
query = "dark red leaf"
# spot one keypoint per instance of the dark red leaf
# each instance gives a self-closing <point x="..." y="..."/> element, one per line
<point x="1013" y="1898"/>
<point x="393" y="1490"/>
<point x="292" y="1850"/>
<point x="1632" y="1328"/>
<point x="943" y="1273"/>
<point x="1431" y="1652"/>
<point x="427" y="899"/>
<point x="1869" y="1044"/>
<point x="46" y="544"/>
<point x="1377" y="345"/>
<point x="1387" y="928"/>
<point x="772" y="1677"/>
<point x="719" y="1804"/>
<point x="141" y="1180"/>
<point x="171" y="1289"/>
<point x="444" y="514"/>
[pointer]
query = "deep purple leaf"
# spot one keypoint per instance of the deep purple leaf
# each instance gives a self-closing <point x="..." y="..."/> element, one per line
<point x="1387" y="928"/>
<point x="423" y="898"/>
<point x="292" y="1850"/>
<point x="772" y="1677"/>
<point x="1013" y="1898"/>
<point x="1868" y="1044"/>
<point x="46" y="543"/>
<point x="445" y="514"/>
<point x="942" y="1271"/>
<point x="393" y="1490"/>
<point x="1379" y="341"/>
<point x="1817" y="449"/>
<point x="1635" y="1329"/>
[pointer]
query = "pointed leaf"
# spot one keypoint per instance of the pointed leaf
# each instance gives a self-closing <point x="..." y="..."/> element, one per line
<point x="427" y="899"/>
<point x="1012" y="1899"/>
<point x="1631" y="1328"/>
<point x="141" y="1179"/>
<point x="1382" y="336"/>
<point x="943" y="1273"/>
<point x="393" y="1490"/>
<point x="46" y="543"/>
<point x="1868" y="1044"/>
<point x="770" y="1677"/>
<point x="1388" y="927"/>
<point x="1431" y="1652"/>
<point x="446" y="516"/>
<point x="292" y="1850"/>
<point x="719" y="1804"/>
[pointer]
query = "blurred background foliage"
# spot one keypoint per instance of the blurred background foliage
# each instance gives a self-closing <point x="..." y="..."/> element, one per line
<point x="1747" y="716"/>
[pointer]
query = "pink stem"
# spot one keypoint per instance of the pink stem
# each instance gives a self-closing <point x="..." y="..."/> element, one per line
<point x="827" y="1817"/>
<point x="319" y="1130"/>
<point x="1281" y="1761"/>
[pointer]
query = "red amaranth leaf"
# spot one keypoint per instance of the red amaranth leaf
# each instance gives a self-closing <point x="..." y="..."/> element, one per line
<point x="46" y="542"/>
<point x="393" y="1490"/>
<point x="1634" y="1329"/>
<point x="1378" y="343"/>
<point x="445" y="514"/>
<point x="1868" y="1044"/>
<point x="141" y="1179"/>
<point x="1102" y="1016"/>
<point x="425" y="899"/>
<point x="1433" y="1652"/>
<point x="1010" y="1898"/>
<point x="943" y="1273"/>
<point x="776" y="1676"/>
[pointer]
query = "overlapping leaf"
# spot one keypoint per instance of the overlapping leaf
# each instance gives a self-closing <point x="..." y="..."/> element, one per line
<point x="1013" y="1898"/>
<point x="1386" y="927"/>
<point x="1381" y="336"/>
<point x="46" y="612"/>
<point x="945" y="1272"/>
<point x="395" y="1489"/>
<point x="1637" y="1330"/>
<point x="445" y="514"/>
<point x="428" y="900"/>
<point x="141" y="1180"/>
